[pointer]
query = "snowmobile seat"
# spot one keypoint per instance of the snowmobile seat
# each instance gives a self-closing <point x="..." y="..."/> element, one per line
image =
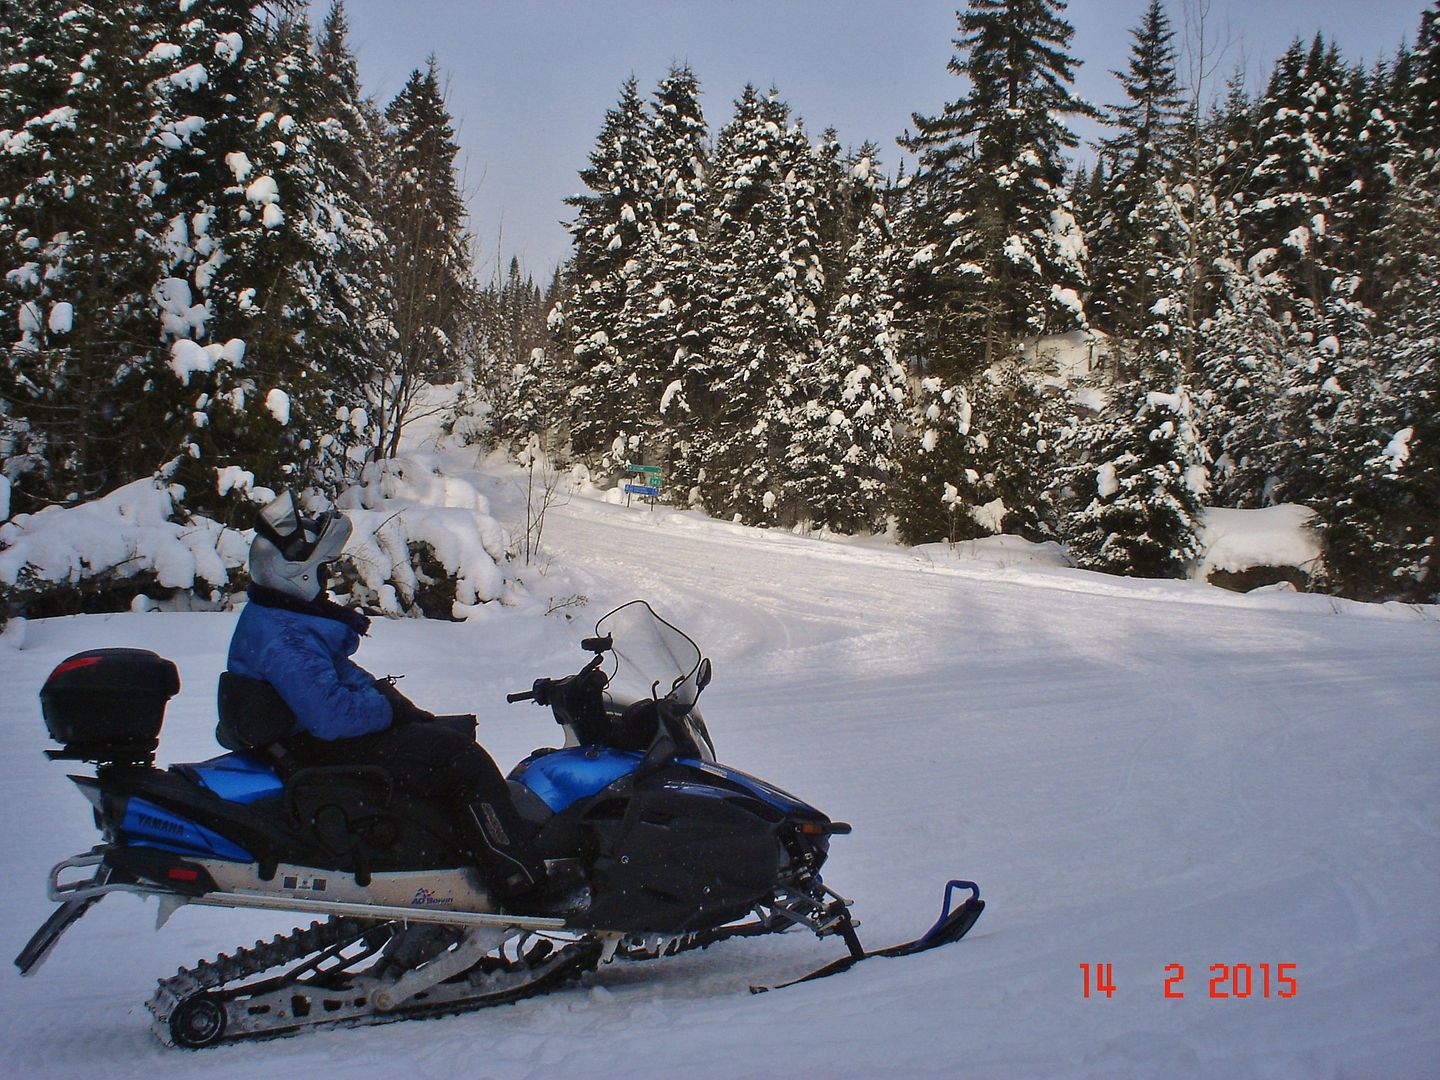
<point x="253" y="718"/>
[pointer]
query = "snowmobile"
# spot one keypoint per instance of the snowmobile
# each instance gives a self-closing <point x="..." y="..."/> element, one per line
<point x="677" y="850"/>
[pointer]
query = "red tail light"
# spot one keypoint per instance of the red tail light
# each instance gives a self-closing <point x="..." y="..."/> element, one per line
<point x="75" y="665"/>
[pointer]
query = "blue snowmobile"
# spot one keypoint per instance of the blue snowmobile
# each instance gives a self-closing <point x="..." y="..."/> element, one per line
<point x="678" y="850"/>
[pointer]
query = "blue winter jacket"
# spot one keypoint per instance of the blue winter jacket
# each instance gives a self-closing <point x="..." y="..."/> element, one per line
<point x="306" y="657"/>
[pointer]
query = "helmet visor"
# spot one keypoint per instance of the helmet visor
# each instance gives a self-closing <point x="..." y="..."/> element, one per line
<point x="281" y="524"/>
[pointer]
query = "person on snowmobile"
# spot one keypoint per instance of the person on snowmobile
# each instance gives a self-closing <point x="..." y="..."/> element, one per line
<point x="292" y="636"/>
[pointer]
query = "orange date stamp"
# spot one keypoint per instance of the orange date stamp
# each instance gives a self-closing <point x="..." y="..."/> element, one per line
<point x="1240" y="982"/>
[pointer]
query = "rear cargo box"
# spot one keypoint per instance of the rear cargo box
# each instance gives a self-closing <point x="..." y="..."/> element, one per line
<point x="108" y="704"/>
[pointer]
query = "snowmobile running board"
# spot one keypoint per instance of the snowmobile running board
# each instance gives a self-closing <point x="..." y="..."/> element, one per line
<point x="77" y="897"/>
<point x="100" y="885"/>
<point x="952" y="925"/>
<point x="376" y="912"/>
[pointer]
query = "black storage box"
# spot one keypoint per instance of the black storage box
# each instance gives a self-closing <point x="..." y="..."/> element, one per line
<point x="109" y="699"/>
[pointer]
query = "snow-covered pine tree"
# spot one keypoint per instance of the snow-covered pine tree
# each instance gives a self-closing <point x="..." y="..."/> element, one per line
<point x="1416" y="96"/>
<point x="510" y="322"/>
<point x="350" y="150"/>
<point x="258" y="306"/>
<point x="1379" y="503"/>
<point x="670" y="277"/>
<point x="841" y="454"/>
<point x="423" y="216"/>
<point x="1002" y="255"/>
<point x="1289" y="183"/>
<point x="764" y="282"/>
<point x="81" y="151"/>
<point x="1243" y="358"/>
<point x="1014" y="456"/>
<point x="981" y="458"/>
<point x="613" y="230"/>
<point x="1318" y="187"/>
<point x="935" y="457"/>
<point x="1135" y="486"/>
<point x="1131" y="233"/>
<point x="226" y="223"/>
<point x="1324" y="158"/>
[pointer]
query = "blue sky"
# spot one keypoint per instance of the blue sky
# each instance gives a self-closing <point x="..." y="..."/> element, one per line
<point x="528" y="81"/>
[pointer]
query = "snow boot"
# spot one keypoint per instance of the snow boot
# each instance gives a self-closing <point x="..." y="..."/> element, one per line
<point x="500" y="846"/>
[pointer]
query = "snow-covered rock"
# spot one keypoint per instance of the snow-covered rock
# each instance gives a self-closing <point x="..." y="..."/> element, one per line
<point x="1251" y="548"/>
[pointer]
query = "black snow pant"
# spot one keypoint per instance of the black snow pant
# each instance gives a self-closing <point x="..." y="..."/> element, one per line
<point x="432" y="759"/>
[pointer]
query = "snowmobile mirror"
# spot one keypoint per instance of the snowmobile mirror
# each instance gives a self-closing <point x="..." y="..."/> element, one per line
<point x="702" y="675"/>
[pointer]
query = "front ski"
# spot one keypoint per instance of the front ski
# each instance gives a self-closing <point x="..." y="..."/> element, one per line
<point x="953" y="924"/>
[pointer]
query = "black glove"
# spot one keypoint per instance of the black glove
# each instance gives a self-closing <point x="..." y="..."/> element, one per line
<point x="402" y="708"/>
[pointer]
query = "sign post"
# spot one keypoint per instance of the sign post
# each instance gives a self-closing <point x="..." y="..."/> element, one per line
<point x="647" y="482"/>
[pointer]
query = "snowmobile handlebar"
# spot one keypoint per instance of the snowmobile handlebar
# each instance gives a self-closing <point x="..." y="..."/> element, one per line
<point x="540" y="691"/>
<point x="537" y="693"/>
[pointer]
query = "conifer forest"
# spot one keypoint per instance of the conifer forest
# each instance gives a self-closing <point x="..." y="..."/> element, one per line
<point x="222" y="262"/>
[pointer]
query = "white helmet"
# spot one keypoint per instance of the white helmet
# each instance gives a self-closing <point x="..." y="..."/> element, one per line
<point x="289" y="552"/>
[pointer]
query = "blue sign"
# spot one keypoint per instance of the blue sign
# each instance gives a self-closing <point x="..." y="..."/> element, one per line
<point x="642" y="489"/>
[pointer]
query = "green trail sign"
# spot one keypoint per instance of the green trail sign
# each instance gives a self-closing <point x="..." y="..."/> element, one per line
<point x="648" y="480"/>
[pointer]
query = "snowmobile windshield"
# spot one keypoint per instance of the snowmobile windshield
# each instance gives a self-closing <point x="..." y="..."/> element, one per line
<point x="652" y="658"/>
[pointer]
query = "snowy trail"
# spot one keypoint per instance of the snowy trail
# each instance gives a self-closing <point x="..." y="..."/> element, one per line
<point x="1137" y="773"/>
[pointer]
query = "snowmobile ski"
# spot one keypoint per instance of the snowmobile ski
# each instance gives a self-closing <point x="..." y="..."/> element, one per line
<point x="953" y="924"/>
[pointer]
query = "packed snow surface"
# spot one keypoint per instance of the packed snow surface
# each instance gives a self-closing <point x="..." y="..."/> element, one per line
<point x="1139" y="774"/>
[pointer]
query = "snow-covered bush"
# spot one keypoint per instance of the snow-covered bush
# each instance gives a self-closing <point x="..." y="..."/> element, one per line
<point x="1135" y="486"/>
<point x="423" y="543"/>
<point x="105" y="555"/>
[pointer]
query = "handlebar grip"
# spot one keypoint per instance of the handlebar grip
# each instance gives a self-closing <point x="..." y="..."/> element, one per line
<point x="538" y="693"/>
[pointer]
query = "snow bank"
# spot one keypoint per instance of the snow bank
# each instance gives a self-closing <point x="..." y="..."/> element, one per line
<point x="1001" y="552"/>
<point x="127" y="534"/>
<point x="1238" y="540"/>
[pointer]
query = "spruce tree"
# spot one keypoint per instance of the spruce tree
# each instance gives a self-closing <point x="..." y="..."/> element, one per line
<point x="82" y="153"/>
<point x="613" y="227"/>
<point x="1003" y="257"/>
<point x="1135" y="486"/>
<point x="1130" y="234"/>
<point x="423" y="216"/>
<point x="350" y="150"/>
<point x="842" y="451"/>
<point x="1379" y="502"/>
<point x="664" y="299"/>
<point x="764" y="283"/>
<point x="263" y="241"/>
<point x="936" y="460"/>
<point x="1380" y="507"/>
<point x="1417" y="95"/>
<point x="1243" y="360"/>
